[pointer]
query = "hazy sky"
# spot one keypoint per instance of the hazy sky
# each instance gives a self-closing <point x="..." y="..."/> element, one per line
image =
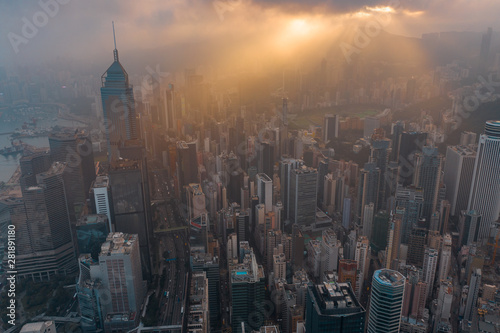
<point x="185" y="29"/>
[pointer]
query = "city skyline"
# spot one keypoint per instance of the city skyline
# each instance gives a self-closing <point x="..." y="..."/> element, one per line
<point x="276" y="167"/>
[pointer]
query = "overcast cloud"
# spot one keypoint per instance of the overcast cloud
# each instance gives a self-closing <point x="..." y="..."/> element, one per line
<point x="184" y="29"/>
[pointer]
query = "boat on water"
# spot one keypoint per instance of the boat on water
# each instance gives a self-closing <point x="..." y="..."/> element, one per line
<point x="15" y="149"/>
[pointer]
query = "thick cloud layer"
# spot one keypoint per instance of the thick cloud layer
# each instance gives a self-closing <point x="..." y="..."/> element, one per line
<point x="189" y="30"/>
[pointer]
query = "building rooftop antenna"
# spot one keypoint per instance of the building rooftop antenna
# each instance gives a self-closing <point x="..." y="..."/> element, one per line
<point x="115" y="52"/>
<point x="114" y="36"/>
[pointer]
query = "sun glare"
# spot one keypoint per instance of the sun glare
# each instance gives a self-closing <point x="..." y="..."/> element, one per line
<point x="386" y="9"/>
<point x="299" y="27"/>
<point x="413" y="14"/>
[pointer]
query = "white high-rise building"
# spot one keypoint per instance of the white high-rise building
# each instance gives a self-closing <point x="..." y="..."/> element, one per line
<point x="260" y="214"/>
<point x="369" y="210"/>
<point x="468" y="138"/>
<point x="329" y="192"/>
<point x="265" y="190"/>
<point x="100" y="190"/>
<point x="232" y="246"/>
<point x="445" y="258"/>
<point x="331" y="251"/>
<point x="120" y="273"/>
<point x="485" y="189"/>
<point x="430" y="264"/>
<point x="444" y="304"/>
<point x="361" y="257"/>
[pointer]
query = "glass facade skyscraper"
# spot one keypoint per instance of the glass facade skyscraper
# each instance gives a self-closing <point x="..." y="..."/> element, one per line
<point x="118" y="107"/>
<point x="333" y="307"/>
<point x="388" y="288"/>
<point x="428" y="166"/>
<point x="485" y="189"/>
<point x="303" y="196"/>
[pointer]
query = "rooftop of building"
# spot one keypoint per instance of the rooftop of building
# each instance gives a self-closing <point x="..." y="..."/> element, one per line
<point x="464" y="150"/>
<point x="301" y="277"/>
<point x="304" y="170"/>
<point x="118" y="243"/>
<point x="389" y="277"/>
<point x="279" y="258"/>
<point x="124" y="164"/>
<point x="332" y="298"/>
<point x="492" y="128"/>
<point x="329" y="236"/>
<point x="66" y="133"/>
<point x="182" y="145"/>
<point x="117" y="317"/>
<point x="101" y="181"/>
<point x="198" y="308"/>
<point x="92" y="219"/>
<point x="90" y="284"/>
<point x="248" y="270"/>
<point x="198" y="284"/>
<point x="203" y="258"/>
<point x="55" y="168"/>
<point x="29" y="157"/>
<point x="330" y="276"/>
<point x="264" y="177"/>
<point x="196" y="188"/>
<point x="485" y="327"/>
<point x="36" y="327"/>
<point x="269" y="329"/>
<point x="86" y="259"/>
<point x="316" y="245"/>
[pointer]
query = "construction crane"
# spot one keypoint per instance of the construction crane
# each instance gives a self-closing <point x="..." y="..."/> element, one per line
<point x="495" y="247"/>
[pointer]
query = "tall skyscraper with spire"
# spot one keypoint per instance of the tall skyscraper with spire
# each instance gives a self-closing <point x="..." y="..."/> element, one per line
<point x="118" y="106"/>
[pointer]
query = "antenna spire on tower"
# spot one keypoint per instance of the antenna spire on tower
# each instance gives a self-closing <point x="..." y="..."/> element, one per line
<point x="115" y="52"/>
<point x="114" y="36"/>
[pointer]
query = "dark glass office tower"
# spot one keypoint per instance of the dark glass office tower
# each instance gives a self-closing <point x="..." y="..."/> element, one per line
<point x="410" y="143"/>
<point x="187" y="164"/>
<point x="48" y="226"/>
<point x="303" y="198"/>
<point x="428" y="166"/>
<point x="369" y="187"/>
<point x="130" y="195"/>
<point x="333" y="307"/>
<point x="73" y="147"/>
<point x="380" y="156"/>
<point x="31" y="165"/>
